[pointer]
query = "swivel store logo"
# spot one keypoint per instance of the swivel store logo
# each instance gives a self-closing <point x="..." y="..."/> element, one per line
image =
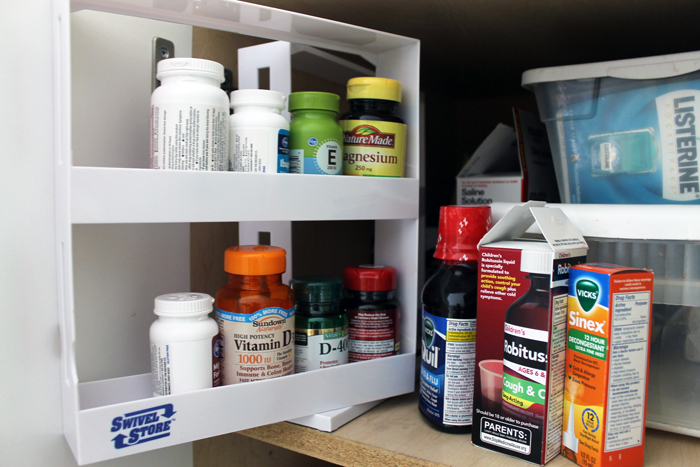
<point x="587" y="293"/>
<point x="142" y="426"/>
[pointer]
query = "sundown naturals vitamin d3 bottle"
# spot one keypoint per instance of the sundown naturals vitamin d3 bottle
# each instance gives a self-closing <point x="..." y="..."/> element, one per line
<point x="255" y="312"/>
<point x="449" y="321"/>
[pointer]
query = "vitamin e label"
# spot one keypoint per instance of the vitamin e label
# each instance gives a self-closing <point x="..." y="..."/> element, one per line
<point x="257" y="346"/>
<point x="373" y="148"/>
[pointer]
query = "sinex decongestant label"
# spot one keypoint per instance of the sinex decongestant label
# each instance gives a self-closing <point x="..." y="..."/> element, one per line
<point x="256" y="346"/>
<point x="374" y="148"/>
<point x="609" y="324"/>
<point x="447" y="369"/>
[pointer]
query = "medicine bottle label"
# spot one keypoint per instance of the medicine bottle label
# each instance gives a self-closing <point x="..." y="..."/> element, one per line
<point x="189" y="137"/>
<point x="259" y="150"/>
<point x="373" y="334"/>
<point x="257" y="346"/>
<point x="447" y="369"/>
<point x="320" y="348"/>
<point x="525" y="372"/>
<point x="373" y="149"/>
<point x="160" y="368"/>
<point x="321" y="156"/>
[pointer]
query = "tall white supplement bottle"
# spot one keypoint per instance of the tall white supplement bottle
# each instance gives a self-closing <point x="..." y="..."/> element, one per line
<point x="189" y="116"/>
<point x="184" y="344"/>
<point x="259" y="134"/>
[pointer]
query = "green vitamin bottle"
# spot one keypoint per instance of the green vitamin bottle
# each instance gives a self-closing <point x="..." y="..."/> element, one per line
<point x="321" y="326"/>
<point x="316" y="139"/>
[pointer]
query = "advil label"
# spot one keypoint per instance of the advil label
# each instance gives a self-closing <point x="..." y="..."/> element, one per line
<point x="609" y="316"/>
<point x="373" y="149"/>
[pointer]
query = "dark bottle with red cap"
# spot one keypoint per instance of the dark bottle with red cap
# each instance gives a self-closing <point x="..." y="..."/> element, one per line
<point x="374" y="312"/>
<point x="448" y="327"/>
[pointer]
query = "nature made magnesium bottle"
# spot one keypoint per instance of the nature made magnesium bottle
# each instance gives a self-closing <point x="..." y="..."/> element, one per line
<point x="321" y="330"/>
<point x="449" y="320"/>
<point x="316" y="139"/>
<point x="374" y="136"/>
<point x="255" y="313"/>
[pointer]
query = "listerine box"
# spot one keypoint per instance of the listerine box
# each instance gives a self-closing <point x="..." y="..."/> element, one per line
<point x="623" y="131"/>
<point x="607" y="362"/>
<point x="521" y="332"/>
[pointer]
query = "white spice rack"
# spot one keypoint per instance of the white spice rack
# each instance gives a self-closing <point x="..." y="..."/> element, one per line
<point x="95" y="413"/>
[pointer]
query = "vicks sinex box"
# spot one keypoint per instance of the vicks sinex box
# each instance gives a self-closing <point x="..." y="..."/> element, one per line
<point x="607" y="363"/>
<point x="521" y="332"/>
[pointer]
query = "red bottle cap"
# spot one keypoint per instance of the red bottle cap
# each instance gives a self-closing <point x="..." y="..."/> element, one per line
<point x="370" y="278"/>
<point x="459" y="232"/>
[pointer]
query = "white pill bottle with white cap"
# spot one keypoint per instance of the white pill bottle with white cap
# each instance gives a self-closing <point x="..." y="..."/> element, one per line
<point x="189" y="116"/>
<point x="259" y="134"/>
<point x="184" y="344"/>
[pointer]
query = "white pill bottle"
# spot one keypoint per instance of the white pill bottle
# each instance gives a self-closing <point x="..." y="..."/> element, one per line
<point x="259" y="134"/>
<point x="184" y="344"/>
<point x="189" y="116"/>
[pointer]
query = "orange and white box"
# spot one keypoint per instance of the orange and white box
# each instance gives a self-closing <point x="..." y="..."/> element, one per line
<point x="607" y="364"/>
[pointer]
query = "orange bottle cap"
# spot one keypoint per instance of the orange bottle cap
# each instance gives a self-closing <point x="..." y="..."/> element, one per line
<point x="255" y="260"/>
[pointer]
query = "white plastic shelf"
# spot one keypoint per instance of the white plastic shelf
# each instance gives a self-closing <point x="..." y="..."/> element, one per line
<point x="211" y="412"/>
<point x="629" y="221"/>
<point x="98" y="195"/>
<point x="111" y="195"/>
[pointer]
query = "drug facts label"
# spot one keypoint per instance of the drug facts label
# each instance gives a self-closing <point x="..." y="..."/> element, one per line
<point x="189" y="137"/>
<point x="628" y="365"/>
<point x="257" y="346"/>
<point x="447" y="369"/>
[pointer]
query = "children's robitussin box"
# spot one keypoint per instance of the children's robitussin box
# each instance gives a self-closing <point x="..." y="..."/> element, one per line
<point x="607" y="362"/>
<point x="521" y="332"/>
<point x="623" y="131"/>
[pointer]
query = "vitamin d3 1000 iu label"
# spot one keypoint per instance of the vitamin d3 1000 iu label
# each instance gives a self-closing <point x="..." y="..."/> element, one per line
<point x="375" y="149"/>
<point x="257" y="346"/>
<point x="447" y="369"/>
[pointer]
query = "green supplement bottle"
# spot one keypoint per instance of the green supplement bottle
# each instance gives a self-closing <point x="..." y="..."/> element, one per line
<point x="321" y="330"/>
<point x="316" y="139"/>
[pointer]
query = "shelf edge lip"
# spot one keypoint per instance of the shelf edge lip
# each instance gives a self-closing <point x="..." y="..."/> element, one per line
<point x="102" y="195"/>
<point x="389" y="41"/>
<point x="627" y="221"/>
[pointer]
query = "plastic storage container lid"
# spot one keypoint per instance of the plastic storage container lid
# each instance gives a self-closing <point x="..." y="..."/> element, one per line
<point x="460" y="230"/>
<point x="314" y="101"/>
<point x="661" y="66"/>
<point x="262" y="97"/>
<point x="317" y="289"/>
<point x="183" y="304"/>
<point x="374" y="88"/>
<point x="370" y="278"/>
<point x="190" y="66"/>
<point x="255" y="260"/>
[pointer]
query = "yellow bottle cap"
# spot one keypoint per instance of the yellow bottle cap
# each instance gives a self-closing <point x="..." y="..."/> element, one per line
<point x="255" y="260"/>
<point x="374" y="88"/>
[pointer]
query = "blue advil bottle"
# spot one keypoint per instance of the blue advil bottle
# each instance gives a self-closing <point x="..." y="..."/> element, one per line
<point x="449" y="320"/>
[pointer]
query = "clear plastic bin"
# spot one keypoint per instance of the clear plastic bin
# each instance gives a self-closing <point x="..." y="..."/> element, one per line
<point x="673" y="402"/>
<point x="623" y="131"/>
